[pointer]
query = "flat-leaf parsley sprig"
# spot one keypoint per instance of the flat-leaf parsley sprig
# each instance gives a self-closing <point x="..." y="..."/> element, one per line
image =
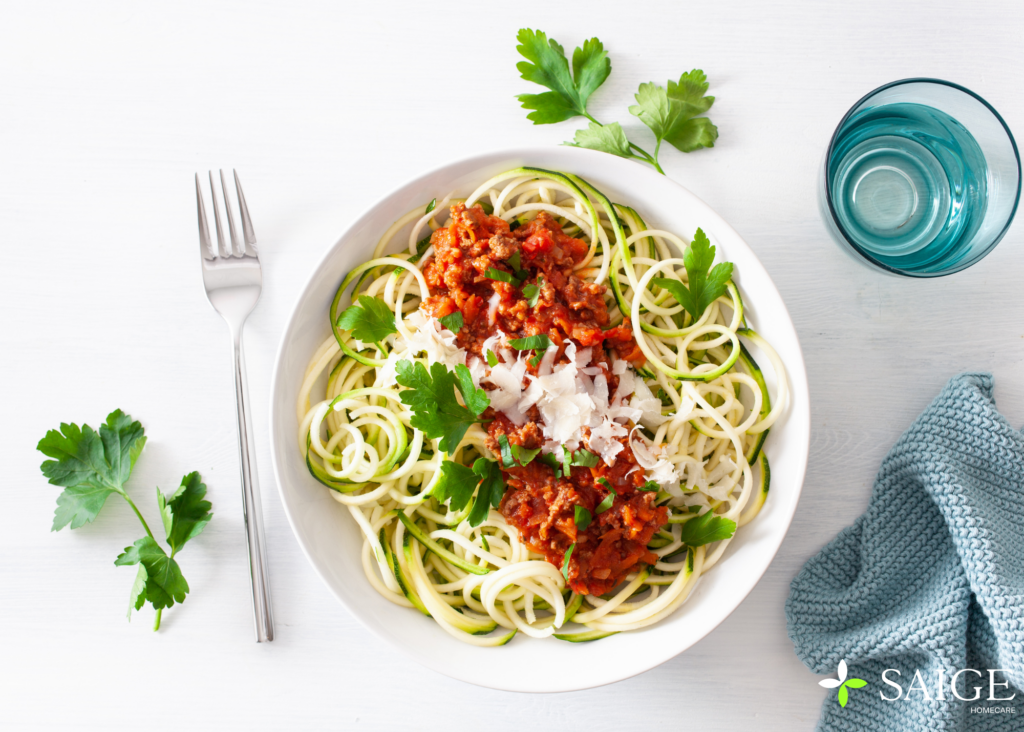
<point x="673" y="114"/>
<point x="91" y="465"/>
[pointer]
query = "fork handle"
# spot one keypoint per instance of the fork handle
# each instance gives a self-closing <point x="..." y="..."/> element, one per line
<point x="252" y="512"/>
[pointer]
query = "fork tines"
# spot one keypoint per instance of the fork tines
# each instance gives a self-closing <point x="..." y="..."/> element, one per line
<point x="234" y="248"/>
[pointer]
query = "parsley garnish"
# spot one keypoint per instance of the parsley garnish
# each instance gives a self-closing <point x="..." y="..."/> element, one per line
<point x="608" y="500"/>
<point x="530" y="343"/>
<point x="532" y="292"/>
<point x="91" y="465"/>
<point x="584" y="459"/>
<point x="507" y="460"/>
<point x="431" y="397"/>
<point x="705" y="286"/>
<point x="583" y="518"/>
<point x="452" y="322"/>
<point x="492" y="488"/>
<point x="430" y="206"/>
<point x="492" y="359"/>
<point x="671" y="114"/>
<point x="707" y="528"/>
<point x="499" y="275"/>
<point x="523" y="455"/>
<point x="514" y="261"/>
<point x="565" y="561"/>
<point x="457" y="484"/>
<point x="650" y="486"/>
<point x="370" y="321"/>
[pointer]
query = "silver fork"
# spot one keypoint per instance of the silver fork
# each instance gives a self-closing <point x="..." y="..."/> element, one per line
<point x="234" y="281"/>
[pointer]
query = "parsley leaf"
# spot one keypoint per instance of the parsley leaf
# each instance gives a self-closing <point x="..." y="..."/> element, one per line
<point x="499" y="275"/>
<point x="370" y="321"/>
<point x="430" y="206"/>
<point x="532" y="292"/>
<point x="541" y="342"/>
<point x="608" y="500"/>
<point x="583" y="518"/>
<point x="672" y="114"/>
<point x="492" y="488"/>
<point x="159" y="579"/>
<point x="452" y="322"/>
<point x="457" y="482"/>
<point x="707" y="528"/>
<point x="565" y="561"/>
<point x="547" y="65"/>
<point x="515" y="261"/>
<point x="431" y="397"/>
<point x="90" y="465"/>
<point x="185" y="514"/>
<point x="650" y="486"/>
<point x="705" y="286"/>
<point x="492" y="359"/>
<point x="523" y="455"/>
<point x="584" y="459"/>
<point x="507" y="460"/>
<point x="607" y="138"/>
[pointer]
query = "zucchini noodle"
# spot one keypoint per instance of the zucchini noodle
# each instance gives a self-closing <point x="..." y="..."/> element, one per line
<point x="482" y="584"/>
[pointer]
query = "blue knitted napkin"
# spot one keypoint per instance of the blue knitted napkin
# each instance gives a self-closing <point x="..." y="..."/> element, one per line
<point x="930" y="579"/>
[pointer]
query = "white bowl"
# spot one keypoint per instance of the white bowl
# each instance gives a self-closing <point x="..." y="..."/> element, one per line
<point x="332" y="541"/>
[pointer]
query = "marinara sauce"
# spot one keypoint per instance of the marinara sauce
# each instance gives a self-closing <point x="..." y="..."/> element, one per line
<point x="538" y="503"/>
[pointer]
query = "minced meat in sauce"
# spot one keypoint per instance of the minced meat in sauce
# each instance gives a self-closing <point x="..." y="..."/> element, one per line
<point x="540" y="506"/>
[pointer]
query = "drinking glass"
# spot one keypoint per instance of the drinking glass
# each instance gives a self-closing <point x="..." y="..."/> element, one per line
<point x="921" y="178"/>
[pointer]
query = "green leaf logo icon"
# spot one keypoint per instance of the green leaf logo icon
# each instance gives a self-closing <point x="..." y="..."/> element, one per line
<point x="843" y="683"/>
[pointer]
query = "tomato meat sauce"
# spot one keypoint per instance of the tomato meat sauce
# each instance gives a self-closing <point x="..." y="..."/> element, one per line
<point x="479" y="268"/>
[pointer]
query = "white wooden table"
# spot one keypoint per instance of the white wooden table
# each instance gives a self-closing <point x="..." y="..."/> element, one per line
<point x="109" y="109"/>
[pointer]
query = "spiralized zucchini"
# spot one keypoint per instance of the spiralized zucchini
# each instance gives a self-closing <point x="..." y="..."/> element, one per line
<point x="356" y="437"/>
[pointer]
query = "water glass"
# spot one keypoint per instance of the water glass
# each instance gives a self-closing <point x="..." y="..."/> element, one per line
<point x="921" y="178"/>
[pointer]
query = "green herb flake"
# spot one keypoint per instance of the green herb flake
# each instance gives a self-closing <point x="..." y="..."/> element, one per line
<point x="583" y="518"/>
<point x="514" y="261"/>
<point x="498" y="275"/>
<point x="565" y="561"/>
<point x="523" y="455"/>
<point x="608" y="500"/>
<point x="430" y="206"/>
<point x="452" y="322"/>
<point x="492" y="359"/>
<point x="650" y="487"/>
<point x="534" y="342"/>
<point x="585" y="459"/>
<point x="507" y="460"/>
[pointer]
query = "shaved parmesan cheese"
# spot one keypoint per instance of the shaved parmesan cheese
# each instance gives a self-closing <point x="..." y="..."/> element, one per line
<point x="492" y="307"/>
<point x="433" y="339"/>
<point x="648" y="404"/>
<point x="657" y="468"/>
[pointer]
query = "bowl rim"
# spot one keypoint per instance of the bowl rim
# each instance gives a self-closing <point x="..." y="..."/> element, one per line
<point x="826" y="165"/>
<point x="798" y="410"/>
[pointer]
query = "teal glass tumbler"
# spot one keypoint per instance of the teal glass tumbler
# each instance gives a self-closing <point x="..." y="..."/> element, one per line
<point x="921" y="178"/>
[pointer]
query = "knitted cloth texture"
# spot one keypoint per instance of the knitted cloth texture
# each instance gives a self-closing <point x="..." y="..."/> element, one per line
<point x="929" y="579"/>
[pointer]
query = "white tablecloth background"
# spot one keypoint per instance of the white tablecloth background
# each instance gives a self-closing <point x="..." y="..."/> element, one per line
<point x="109" y="109"/>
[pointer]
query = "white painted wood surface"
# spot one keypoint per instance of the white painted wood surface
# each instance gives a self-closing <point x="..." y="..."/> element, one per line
<point x="109" y="109"/>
